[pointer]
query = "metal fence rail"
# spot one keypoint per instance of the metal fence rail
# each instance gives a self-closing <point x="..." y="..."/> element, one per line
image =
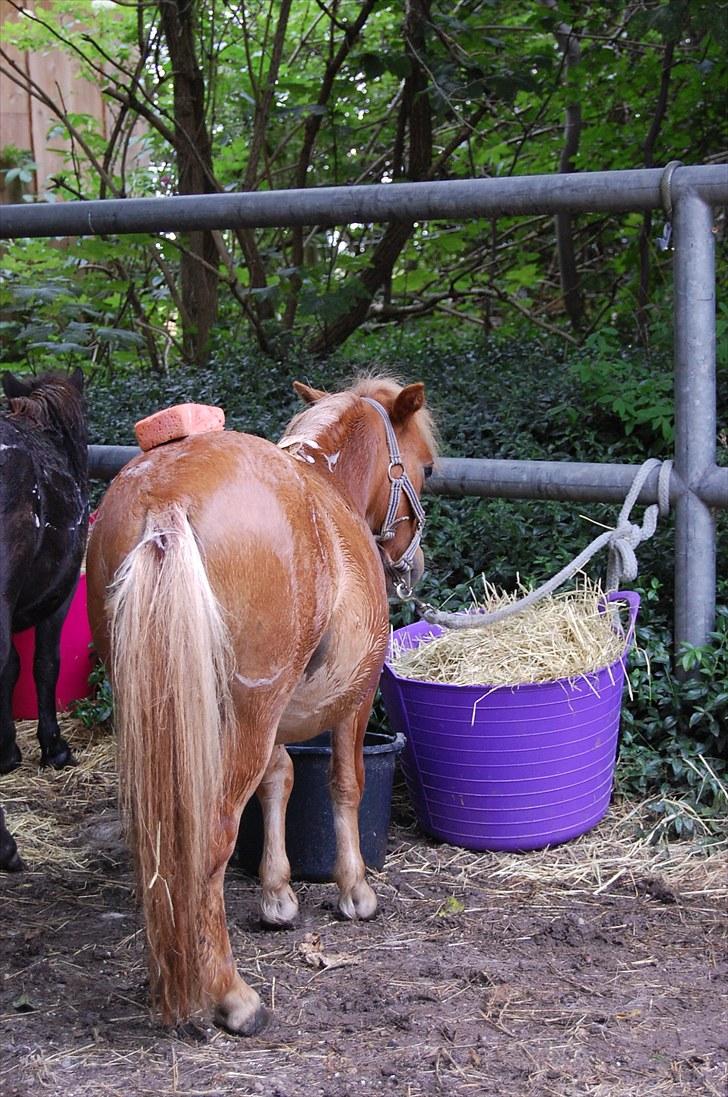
<point x="687" y="194"/>
<point x="567" y="481"/>
<point x="587" y="192"/>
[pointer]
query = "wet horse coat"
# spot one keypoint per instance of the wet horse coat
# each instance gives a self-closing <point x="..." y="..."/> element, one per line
<point x="43" y="526"/>
<point x="238" y="594"/>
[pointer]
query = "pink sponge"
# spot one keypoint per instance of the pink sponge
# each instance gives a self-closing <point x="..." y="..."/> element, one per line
<point x="177" y="422"/>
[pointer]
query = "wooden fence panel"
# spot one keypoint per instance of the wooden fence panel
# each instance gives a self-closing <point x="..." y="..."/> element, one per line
<point x="25" y="121"/>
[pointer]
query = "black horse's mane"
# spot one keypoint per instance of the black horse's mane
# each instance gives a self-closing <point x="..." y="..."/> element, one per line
<point x="48" y="404"/>
<point x="54" y="403"/>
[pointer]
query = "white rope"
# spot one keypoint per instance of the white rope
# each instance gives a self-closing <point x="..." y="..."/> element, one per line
<point x="622" y="563"/>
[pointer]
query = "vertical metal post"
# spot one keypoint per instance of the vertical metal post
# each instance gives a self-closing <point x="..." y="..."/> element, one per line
<point x="695" y="416"/>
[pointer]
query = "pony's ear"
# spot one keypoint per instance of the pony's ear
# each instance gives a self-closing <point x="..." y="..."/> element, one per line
<point x="13" y="386"/>
<point x="76" y="378"/>
<point x="409" y="400"/>
<point x="307" y="394"/>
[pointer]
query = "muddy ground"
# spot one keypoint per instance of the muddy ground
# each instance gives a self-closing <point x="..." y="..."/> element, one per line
<point x="598" y="969"/>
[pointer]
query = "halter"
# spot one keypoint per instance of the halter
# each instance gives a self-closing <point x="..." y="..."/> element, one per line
<point x="399" y="482"/>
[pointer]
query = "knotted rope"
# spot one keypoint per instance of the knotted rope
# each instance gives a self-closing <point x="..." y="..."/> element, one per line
<point x="622" y="563"/>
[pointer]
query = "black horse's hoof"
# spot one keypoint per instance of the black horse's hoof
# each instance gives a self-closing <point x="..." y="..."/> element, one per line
<point x="12" y="863"/>
<point x="11" y="760"/>
<point x="10" y="860"/>
<point x="59" y="757"/>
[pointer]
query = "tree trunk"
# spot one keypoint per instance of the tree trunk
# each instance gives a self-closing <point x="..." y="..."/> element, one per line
<point x="199" y="281"/>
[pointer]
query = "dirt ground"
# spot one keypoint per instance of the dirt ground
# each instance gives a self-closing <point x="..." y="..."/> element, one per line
<point x="598" y="969"/>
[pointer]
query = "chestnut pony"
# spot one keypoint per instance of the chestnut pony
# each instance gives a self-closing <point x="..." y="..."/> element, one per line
<point x="237" y="592"/>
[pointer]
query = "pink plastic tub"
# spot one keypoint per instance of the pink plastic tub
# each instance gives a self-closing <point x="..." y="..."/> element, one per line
<point x="511" y="768"/>
<point x="76" y="663"/>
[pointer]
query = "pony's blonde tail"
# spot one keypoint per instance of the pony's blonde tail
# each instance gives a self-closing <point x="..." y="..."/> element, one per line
<point x="171" y="667"/>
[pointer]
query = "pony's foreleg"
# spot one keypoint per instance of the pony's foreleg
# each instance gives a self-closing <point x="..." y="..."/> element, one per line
<point x="356" y="898"/>
<point x="54" y="750"/>
<point x="278" y="904"/>
<point x="237" y="1007"/>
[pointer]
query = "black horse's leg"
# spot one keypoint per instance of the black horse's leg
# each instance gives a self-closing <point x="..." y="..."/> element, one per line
<point x="9" y="857"/>
<point x="54" y="750"/>
<point x="10" y="756"/>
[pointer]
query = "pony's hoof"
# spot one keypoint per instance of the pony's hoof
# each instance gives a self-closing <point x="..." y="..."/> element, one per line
<point x="360" y="902"/>
<point x="11" y="760"/>
<point x="239" y="1019"/>
<point x="279" y="911"/>
<point x="59" y="757"/>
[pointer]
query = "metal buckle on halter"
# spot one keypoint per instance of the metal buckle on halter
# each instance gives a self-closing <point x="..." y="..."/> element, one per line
<point x="402" y="471"/>
<point x="403" y="589"/>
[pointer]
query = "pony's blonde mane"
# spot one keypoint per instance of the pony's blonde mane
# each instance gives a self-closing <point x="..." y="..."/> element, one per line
<point x="385" y="388"/>
<point x="316" y="422"/>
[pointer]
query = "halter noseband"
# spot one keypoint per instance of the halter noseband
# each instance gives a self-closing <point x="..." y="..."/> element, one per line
<point x="399" y="482"/>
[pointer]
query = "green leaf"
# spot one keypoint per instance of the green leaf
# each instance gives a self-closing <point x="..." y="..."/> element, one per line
<point x="452" y="905"/>
<point x="119" y="337"/>
<point x="24" y="1004"/>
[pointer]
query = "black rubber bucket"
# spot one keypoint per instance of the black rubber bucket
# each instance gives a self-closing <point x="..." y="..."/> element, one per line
<point x="310" y="841"/>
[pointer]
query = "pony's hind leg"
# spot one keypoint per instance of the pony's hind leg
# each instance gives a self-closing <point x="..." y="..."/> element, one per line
<point x="237" y="1007"/>
<point x="278" y="904"/>
<point x="54" y="750"/>
<point x="356" y="898"/>
<point x="10" y="756"/>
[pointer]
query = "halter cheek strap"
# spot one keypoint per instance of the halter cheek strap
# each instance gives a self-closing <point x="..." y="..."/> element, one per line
<point x="399" y="482"/>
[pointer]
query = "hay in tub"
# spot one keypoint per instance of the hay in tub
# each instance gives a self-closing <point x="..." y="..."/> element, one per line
<point x="566" y="635"/>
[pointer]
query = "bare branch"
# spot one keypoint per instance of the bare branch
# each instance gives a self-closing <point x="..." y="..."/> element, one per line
<point x="264" y="104"/>
<point x="643" y="291"/>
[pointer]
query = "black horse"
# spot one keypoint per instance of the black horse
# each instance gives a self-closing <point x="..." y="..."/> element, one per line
<point x="43" y="528"/>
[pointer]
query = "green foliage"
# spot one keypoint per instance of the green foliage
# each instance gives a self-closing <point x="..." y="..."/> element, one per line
<point x="629" y="391"/>
<point x="96" y="709"/>
<point x="338" y="111"/>
<point x="634" y="390"/>
<point x="675" y="725"/>
<point x="80" y="303"/>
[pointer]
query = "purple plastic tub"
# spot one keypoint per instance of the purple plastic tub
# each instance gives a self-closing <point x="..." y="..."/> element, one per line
<point x="513" y="768"/>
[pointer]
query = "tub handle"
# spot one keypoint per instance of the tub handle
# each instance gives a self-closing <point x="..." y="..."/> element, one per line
<point x="632" y="598"/>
